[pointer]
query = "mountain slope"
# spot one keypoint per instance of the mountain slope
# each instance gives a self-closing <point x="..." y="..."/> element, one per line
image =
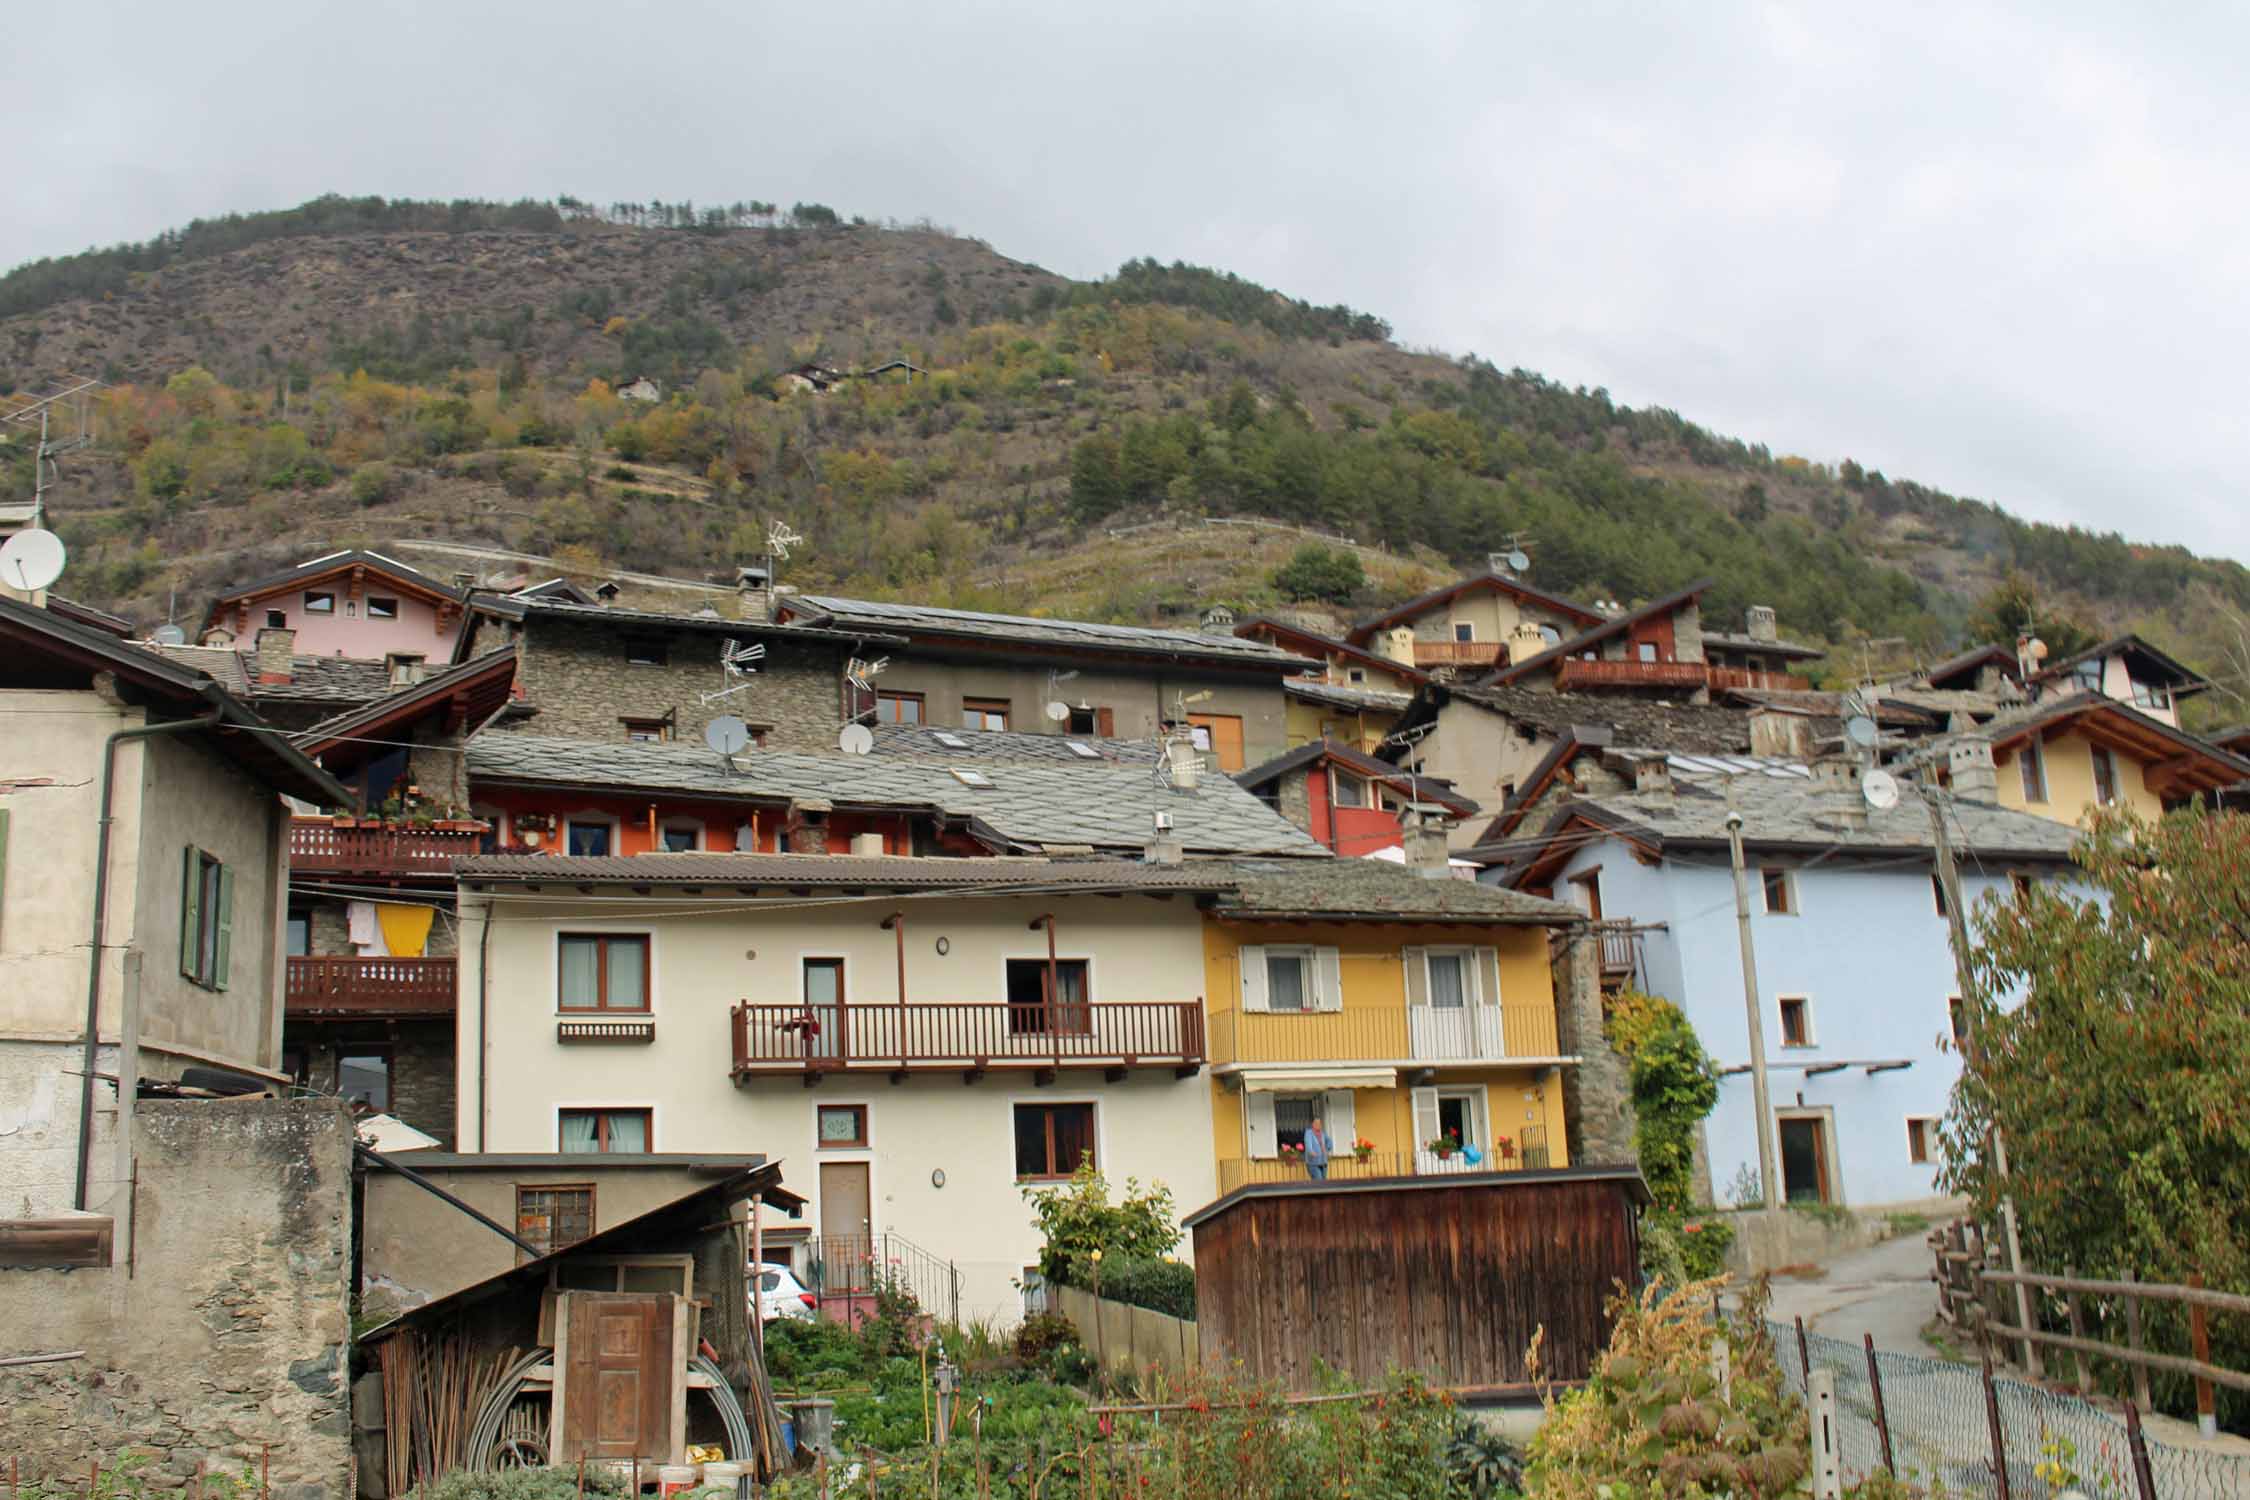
<point x="359" y="372"/>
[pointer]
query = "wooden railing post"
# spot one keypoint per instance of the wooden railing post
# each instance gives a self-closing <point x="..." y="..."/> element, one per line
<point x="1882" y="1415"/>
<point x="2199" y="1335"/>
<point x="2078" y="1331"/>
<point x="2133" y="1338"/>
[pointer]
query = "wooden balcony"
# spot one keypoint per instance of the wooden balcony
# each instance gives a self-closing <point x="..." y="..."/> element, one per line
<point x="972" y="1039"/>
<point x="319" y="846"/>
<point x="1683" y="676"/>
<point x="1386" y="1035"/>
<point x="324" y="986"/>
<point x="1724" y="678"/>
<point x="1529" y="1152"/>
<point x="1428" y="654"/>
<point x="1620" y="951"/>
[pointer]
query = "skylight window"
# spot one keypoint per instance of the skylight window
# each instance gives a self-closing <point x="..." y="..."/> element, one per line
<point x="975" y="779"/>
<point x="1083" y="750"/>
<point x="952" y="742"/>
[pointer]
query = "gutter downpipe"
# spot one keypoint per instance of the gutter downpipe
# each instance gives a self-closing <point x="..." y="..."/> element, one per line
<point x="100" y="923"/>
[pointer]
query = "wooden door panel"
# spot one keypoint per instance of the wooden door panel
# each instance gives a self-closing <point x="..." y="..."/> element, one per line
<point x="618" y="1377"/>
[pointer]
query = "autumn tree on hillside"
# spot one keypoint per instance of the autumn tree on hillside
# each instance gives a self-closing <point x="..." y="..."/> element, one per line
<point x="2013" y="608"/>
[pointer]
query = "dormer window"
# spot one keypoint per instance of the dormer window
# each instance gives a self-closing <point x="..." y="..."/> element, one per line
<point x="2151" y="694"/>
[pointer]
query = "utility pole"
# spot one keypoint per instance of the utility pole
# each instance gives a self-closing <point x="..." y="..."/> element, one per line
<point x="1769" y="1174"/>
<point x="1957" y="927"/>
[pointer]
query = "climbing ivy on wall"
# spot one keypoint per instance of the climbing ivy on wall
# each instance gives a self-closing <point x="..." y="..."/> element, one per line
<point x="1675" y="1084"/>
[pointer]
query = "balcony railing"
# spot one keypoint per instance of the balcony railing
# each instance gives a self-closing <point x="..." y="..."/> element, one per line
<point x="810" y="1041"/>
<point x="319" y="846"/>
<point x="1385" y="1034"/>
<point x="322" y="986"/>
<point x="1723" y="678"/>
<point x="1620" y="948"/>
<point x="1577" y="673"/>
<point x="1527" y="1153"/>
<point x="1457" y="653"/>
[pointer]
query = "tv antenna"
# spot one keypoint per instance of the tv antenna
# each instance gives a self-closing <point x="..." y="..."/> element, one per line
<point x="862" y="674"/>
<point x="736" y="661"/>
<point x="31" y="560"/>
<point x="74" y="402"/>
<point x="779" y="539"/>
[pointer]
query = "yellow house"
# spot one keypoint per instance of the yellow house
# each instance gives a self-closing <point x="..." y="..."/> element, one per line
<point x="2064" y="759"/>
<point x="1413" y="1017"/>
<point x="1355" y="697"/>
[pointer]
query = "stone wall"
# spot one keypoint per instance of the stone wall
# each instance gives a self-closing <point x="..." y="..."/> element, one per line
<point x="227" y="1338"/>
<point x="577" y="676"/>
<point x="422" y="1069"/>
<point x="1598" y="1092"/>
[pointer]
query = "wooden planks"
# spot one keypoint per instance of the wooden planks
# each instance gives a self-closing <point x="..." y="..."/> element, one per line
<point x="27" y="1244"/>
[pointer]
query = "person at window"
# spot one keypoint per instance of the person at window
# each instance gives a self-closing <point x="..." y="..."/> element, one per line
<point x="1317" y="1147"/>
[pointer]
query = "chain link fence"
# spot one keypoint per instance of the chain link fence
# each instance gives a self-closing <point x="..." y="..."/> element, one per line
<point x="1939" y="1429"/>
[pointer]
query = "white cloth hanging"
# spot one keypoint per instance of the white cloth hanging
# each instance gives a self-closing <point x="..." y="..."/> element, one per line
<point x="365" y="931"/>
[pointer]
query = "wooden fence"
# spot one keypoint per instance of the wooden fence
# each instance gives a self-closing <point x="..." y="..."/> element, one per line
<point x="1120" y="1335"/>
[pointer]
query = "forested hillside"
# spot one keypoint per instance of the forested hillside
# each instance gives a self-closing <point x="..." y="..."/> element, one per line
<point x="358" y="371"/>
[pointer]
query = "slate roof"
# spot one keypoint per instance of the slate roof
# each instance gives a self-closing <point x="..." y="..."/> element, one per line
<point x="1737" y="642"/>
<point x="1069" y="635"/>
<point x="1694" y="727"/>
<point x="1969" y="662"/>
<point x="1008" y="745"/>
<point x="1373" y="888"/>
<point x="1420" y="788"/>
<point x="1324" y="646"/>
<point x="1829" y="707"/>
<point x="894" y="871"/>
<point x="1030" y="806"/>
<point x="2175" y="762"/>
<point x="1344" y="695"/>
<point x="87" y="614"/>
<point x="344" y="681"/>
<point x="548" y="607"/>
<point x="1569" y="608"/>
<point x="481" y="684"/>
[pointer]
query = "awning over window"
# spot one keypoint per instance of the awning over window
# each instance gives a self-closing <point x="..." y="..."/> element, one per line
<point x="1301" y="1080"/>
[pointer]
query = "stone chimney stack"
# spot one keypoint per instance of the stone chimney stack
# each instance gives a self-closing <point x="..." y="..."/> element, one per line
<point x="1423" y="843"/>
<point x="1760" y="624"/>
<point x="1652" y="777"/>
<point x="1525" y="641"/>
<point x="1186" y="763"/>
<point x="753" y="585"/>
<point x="1775" y="732"/>
<point x="1164" y="846"/>
<point x="1218" y="620"/>
<point x="1397" y="644"/>
<point x="277" y="654"/>
<point x="1968" y="761"/>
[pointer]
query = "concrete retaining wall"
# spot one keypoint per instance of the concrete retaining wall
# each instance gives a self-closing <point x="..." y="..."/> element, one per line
<point x="1120" y="1335"/>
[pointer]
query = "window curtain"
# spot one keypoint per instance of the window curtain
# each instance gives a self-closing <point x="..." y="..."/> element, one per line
<point x="1285" y="981"/>
<point x="1448" y="987"/>
<point x="579" y="973"/>
<point x="579" y="1133"/>
<point x="627" y="961"/>
<point x="628" y="1132"/>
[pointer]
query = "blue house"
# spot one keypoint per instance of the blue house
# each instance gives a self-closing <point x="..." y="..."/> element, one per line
<point x="1855" y="971"/>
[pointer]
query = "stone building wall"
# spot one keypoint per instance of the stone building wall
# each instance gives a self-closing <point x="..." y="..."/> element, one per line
<point x="1598" y="1092"/>
<point x="422" y="1064"/>
<point x="577" y="677"/>
<point x="227" y="1338"/>
<point x="1296" y="799"/>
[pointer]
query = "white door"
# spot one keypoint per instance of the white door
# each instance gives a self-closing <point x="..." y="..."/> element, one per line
<point x="1458" y="1115"/>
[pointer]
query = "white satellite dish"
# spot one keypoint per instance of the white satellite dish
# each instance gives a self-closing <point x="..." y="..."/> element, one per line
<point x="1058" y="711"/>
<point x="1549" y="635"/>
<point x="855" y="739"/>
<point x="727" y="734"/>
<point x="1860" y="730"/>
<point x="1518" y="561"/>
<point x="31" y="560"/>
<point x="1880" y="788"/>
<point x="169" y="635"/>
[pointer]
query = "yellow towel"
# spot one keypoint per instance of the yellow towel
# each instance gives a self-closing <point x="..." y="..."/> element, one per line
<point x="406" y="929"/>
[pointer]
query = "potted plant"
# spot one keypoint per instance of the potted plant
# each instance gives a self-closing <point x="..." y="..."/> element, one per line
<point x="1362" y="1149"/>
<point x="1443" y="1146"/>
<point x="1504" y="1148"/>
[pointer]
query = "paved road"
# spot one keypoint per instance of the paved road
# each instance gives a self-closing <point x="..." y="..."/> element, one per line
<point x="1884" y="1290"/>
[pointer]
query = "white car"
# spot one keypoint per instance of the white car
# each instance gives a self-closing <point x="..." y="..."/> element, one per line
<point x="782" y="1295"/>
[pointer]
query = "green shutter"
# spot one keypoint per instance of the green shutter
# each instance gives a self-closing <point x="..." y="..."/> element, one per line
<point x="225" y="943"/>
<point x="191" y="909"/>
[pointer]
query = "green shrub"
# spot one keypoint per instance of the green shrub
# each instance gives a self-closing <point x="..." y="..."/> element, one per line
<point x="1078" y="1218"/>
<point x="799" y="1348"/>
<point x="515" y="1484"/>
<point x="1317" y="572"/>
<point x="1684" y="1247"/>
<point x="1041" y="1333"/>
<point x="1483" y="1463"/>
<point x="372" y="484"/>
<point x="1165" y="1286"/>
<point x="1675" y="1084"/>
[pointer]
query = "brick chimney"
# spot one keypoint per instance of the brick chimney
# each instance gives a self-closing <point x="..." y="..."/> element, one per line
<point x="1968" y="761"/>
<point x="753" y="587"/>
<point x="277" y="654"/>
<point x="1760" y="624"/>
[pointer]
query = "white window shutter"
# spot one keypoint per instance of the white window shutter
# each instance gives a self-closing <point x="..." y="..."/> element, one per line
<point x="1343" y="1127"/>
<point x="1480" y="1118"/>
<point x="1488" y="976"/>
<point x="1252" y="958"/>
<point x="1417" y="978"/>
<point x="1257" y="1121"/>
<point x="1330" y="992"/>
<point x="1425" y="1116"/>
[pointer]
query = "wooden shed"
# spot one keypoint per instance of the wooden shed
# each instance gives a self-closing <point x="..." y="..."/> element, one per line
<point x="1449" y="1275"/>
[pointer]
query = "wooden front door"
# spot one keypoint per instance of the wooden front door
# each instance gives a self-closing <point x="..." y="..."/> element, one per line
<point x="824" y="1003"/>
<point x="1804" y="1160"/>
<point x="847" y="1230"/>
<point x="1222" y="736"/>
<point x="618" y="1378"/>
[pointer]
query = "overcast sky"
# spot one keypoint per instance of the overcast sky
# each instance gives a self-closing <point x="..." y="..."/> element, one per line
<point x="2000" y="250"/>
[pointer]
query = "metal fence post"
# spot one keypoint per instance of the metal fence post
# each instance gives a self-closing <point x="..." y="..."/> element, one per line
<point x="1804" y="1354"/>
<point x="1882" y="1416"/>
<point x="2144" y="1478"/>
<point x="1827" y="1465"/>
<point x="1999" y="1435"/>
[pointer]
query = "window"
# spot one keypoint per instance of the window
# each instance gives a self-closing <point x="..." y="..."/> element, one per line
<point x="605" y="1130"/>
<point x="206" y="919"/>
<point x="2087" y="675"/>
<point x="404" y="670"/>
<point x="984" y="713"/>
<point x="1647" y="650"/>
<point x="841" y="1125"/>
<point x="2105" y="777"/>
<point x="681" y="838"/>
<point x="363" y="1076"/>
<point x="1796" y="1021"/>
<point x="299" y="943"/>
<point x="973" y="779"/>
<point x="1347" y="791"/>
<point x="1293" y="1115"/>
<point x="1781" y="895"/>
<point x="589" y="837"/>
<point x="1101" y="722"/>
<point x="2023" y="884"/>
<point x="1918" y="1135"/>
<point x="380" y="608"/>
<point x="1289" y="981"/>
<point x="602" y="971"/>
<point x="1081" y="750"/>
<point x="1937" y="893"/>
<point x="277" y="619"/>
<point x="1356" y="674"/>
<point x="647" y="651"/>
<point x="553" y="1217"/>
<point x="898" y="708"/>
<point x="2151" y="694"/>
<point x="1449" y="980"/>
<point x="1464" y="632"/>
<point x="1053" y="1139"/>
<point x="647" y="731"/>
<point x="1033" y="1011"/>
<point x="2033" y="764"/>
<point x="320" y="604"/>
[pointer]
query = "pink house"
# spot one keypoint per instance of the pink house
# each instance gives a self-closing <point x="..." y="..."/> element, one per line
<point x="354" y="604"/>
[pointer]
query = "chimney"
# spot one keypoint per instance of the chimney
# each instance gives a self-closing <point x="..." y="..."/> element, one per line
<point x="1496" y="563"/>
<point x="1164" y="847"/>
<point x="867" y="845"/>
<point x="1774" y="732"/>
<point x="807" y="827"/>
<point x="1397" y="644"/>
<point x="607" y="593"/>
<point x="277" y="654"/>
<point x="1186" y="762"/>
<point x="1218" y="620"/>
<point x="1968" y="762"/>
<point x="1652" y="777"/>
<point x="1525" y="641"/>
<point x="1760" y="625"/>
<point x="1423" y="841"/>
<point x="753" y="586"/>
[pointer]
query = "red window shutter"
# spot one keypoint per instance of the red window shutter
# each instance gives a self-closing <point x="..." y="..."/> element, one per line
<point x="1105" y="723"/>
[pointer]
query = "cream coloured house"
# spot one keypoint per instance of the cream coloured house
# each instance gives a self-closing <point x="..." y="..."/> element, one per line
<point x="917" y="1039"/>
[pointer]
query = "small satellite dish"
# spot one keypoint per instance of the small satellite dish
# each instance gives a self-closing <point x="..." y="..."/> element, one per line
<point x="1860" y="730"/>
<point x="1518" y="561"/>
<point x="169" y="635"/>
<point x="855" y="739"/>
<point x="1058" y="711"/>
<point x="1880" y="788"/>
<point x="1550" y="635"/>
<point x="31" y="560"/>
<point x="727" y="734"/>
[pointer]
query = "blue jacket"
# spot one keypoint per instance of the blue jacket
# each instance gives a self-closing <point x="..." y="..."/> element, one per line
<point x="1317" y="1147"/>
